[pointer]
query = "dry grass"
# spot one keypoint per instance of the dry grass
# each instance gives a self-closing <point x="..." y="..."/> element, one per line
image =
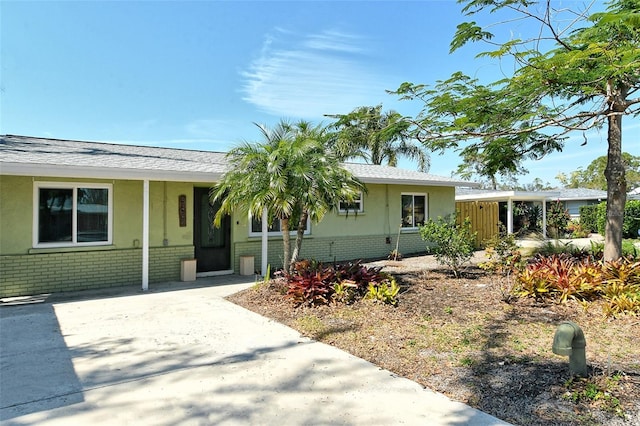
<point x="458" y="337"/>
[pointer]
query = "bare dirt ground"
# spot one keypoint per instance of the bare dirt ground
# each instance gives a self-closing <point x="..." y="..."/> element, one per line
<point x="459" y="337"/>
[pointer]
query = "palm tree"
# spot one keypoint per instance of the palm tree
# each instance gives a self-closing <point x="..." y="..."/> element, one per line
<point x="377" y="137"/>
<point x="292" y="174"/>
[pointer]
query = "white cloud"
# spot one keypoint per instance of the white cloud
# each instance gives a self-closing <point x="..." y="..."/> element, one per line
<point x="313" y="75"/>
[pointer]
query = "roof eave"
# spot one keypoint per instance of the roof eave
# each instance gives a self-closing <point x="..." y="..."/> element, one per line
<point x="416" y="182"/>
<point x="82" y="172"/>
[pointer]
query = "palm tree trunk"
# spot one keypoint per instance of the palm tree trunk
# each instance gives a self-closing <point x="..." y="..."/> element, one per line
<point x="286" y="242"/>
<point x="299" y="235"/>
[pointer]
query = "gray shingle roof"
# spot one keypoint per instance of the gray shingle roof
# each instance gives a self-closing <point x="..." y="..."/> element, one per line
<point x="25" y="155"/>
<point x="581" y="194"/>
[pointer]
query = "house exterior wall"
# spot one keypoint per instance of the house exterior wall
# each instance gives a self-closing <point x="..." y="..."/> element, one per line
<point x="28" y="270"/>
<point x="364" y="235"/>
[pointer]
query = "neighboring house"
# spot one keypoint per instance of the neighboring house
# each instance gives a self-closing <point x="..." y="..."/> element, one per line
<point x="78" y="215"/>
<point x="574" y="198"/>
<point x="509" y="202"/>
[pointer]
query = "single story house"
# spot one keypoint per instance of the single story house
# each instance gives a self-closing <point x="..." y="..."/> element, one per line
<point x="506" y="204"/>
<point x="574" y="198"/>
<point x="78" y="215"/>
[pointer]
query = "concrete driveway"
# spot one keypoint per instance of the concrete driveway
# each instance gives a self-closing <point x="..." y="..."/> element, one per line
<point x="180" y="355"/>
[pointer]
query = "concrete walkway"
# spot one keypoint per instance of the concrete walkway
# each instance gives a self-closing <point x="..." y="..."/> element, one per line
<point x="182" y="355"/>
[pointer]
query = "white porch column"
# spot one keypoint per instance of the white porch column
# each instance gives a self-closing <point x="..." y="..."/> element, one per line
<point x="145" y="235"/>
<point x="509" y="216"/>
<point x="265" y="242"/>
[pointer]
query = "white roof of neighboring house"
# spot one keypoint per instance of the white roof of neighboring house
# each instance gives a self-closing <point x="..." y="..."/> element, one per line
<point x="562" y="194"/>
<point x="465" y="194"/>
<point x="30" y="156"/>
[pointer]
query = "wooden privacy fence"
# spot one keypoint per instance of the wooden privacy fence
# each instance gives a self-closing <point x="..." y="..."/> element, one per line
<point x="484" y="218"/>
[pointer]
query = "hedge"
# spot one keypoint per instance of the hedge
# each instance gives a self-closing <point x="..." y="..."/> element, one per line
<point x="594" y="218"/>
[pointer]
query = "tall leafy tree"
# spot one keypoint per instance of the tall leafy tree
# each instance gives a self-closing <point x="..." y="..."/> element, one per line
<point x="377" y="137"/>
<point x="292" y="174"/>
<point x="578" y="70"/>
<point x="593" y="176"/>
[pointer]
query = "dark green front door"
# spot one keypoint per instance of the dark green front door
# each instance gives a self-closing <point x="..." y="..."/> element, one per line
<point x="212" y="245"/>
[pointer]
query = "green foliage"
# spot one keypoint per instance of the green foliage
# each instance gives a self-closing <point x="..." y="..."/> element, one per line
<point x="596" y="390"/>
<point x="291" y="174"/>
<point x="559" y="276"/>
<point x="527" y="217"/>
<point x="601" y="217"/>
<point x="621" y="287"/>
<point x="562" y="276"/>
<point x="503" y="258"/>
<point x="454" y="243"/>
<point x="589" y="217"/>
<point x="557" y="219"/>
<point x="385" y="292"/>
<point x="585" y="78"/>
<point x="629" y="249"/>
<point x="558" y="247"/>
<point x="377" y="137"/>
<point x="502" y="252"/>
<point x="631" y="223"/>
<point x="575" y="229"/>
<point x="593" y="176"/>
<point x="631" y="220"/>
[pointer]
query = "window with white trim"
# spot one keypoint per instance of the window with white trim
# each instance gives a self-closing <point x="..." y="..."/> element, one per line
<point x="350" y="207"/>
<point x="72" y="214"/>
<point x="275" y="229"/>
<point x="414" y="210"/>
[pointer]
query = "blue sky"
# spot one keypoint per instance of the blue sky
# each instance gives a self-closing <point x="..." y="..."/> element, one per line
<point x="198" y="74"/>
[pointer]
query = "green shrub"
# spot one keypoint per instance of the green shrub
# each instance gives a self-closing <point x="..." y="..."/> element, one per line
<point x="601" y="217"/>
<point x="589" y="217"/>
<point x="577" y="230"/>
<point x="502" y="252"/>
<point x="454" y="243"/>
<point x="557" y="219"/>
<point x="631" y="223"/>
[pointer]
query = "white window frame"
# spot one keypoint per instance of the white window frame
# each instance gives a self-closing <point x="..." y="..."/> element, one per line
<point x="277" y="233"/>
<point x="74" y="215"/>
<point x="358" y="200"/>
<point x="426" y="208"/>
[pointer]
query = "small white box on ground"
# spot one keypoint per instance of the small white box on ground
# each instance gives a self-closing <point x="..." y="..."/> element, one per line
<point x="246" y="265"/>
<point x="188" y="270"/>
